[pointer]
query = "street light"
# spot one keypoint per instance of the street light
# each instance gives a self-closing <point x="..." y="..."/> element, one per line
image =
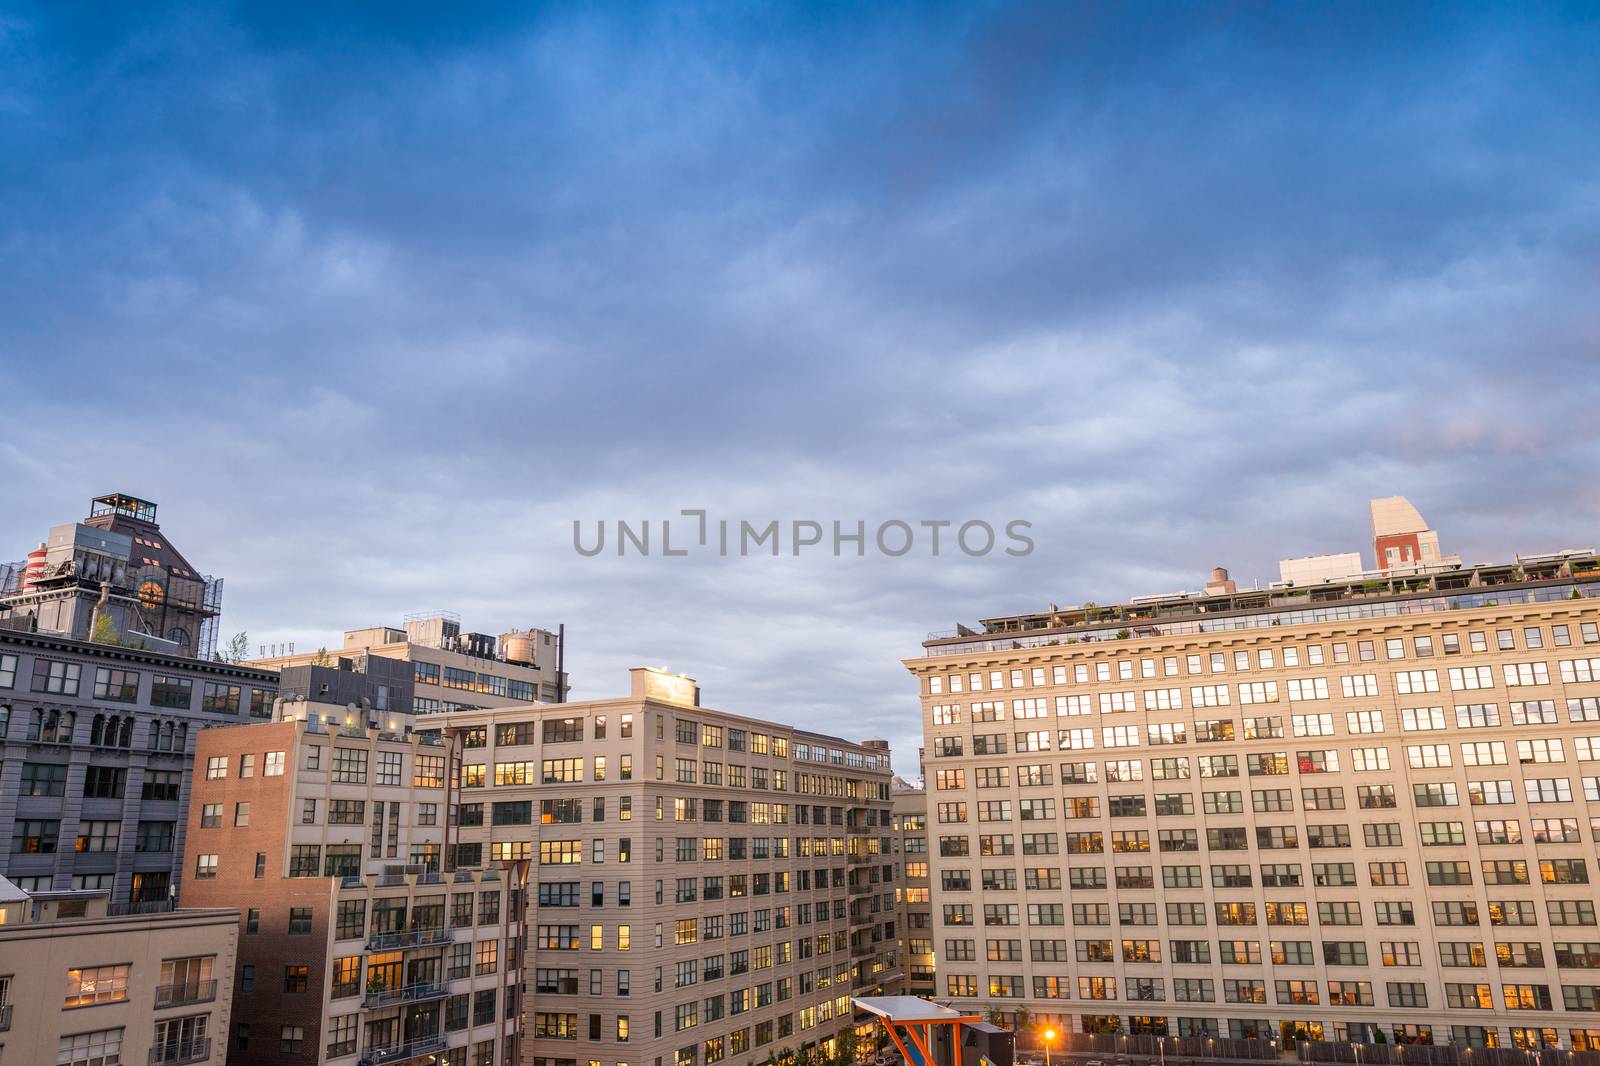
<point x="1049" y="1035"/>
<point x="1357" y="1046"/>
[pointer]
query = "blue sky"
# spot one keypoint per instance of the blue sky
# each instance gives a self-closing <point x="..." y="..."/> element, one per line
<point x="375" y="303"/>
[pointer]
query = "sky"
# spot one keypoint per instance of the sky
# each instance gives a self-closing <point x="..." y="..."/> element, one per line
<point x="377" y="300"/>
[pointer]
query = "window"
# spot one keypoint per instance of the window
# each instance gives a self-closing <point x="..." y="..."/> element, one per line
<point x="35" y="836"/>
<point x="55" y="678"/>
<point x="350" y="765"/>
<point x="103" y="1047"/>
<point x="205" y="867"/>
<point x="97" y="984"/>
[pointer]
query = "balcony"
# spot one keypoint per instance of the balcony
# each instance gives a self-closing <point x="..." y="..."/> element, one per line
<point x="175" y="1053"/>
<point x="375" y="1056"/>
<point x="184" y="994"/>
<point x="411" y="938"/>
<point x="5" y="1018"/>
<point x="143" y="906"/>
<point x="414" y="993"/>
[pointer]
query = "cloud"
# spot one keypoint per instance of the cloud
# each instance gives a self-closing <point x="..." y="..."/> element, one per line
<point x="376" y="305"/>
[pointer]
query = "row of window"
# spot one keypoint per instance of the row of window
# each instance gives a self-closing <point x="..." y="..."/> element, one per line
<point x="1288" y="657"/>
<point x="1324" y="723"/>
<point x="1550" y="871"/>
<point x="1558" y="912"/>
<point x="471" y="681"/>
<point x="58" y="677"/>
<point x="1292" y="992"/>
<point x="1391" y="953"/>
<point x="1257" y="764"/>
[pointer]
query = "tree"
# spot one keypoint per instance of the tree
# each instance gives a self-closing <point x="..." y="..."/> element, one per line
<point x="105" y="630"/>
<point x="238" y="648"/>
<point x="1021" y="1020"/>
<point x="322" y="657"/>
<point x="849" y="1044"/>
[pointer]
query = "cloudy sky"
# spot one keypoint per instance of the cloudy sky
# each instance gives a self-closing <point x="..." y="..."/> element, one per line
<point x="376" y="305"/>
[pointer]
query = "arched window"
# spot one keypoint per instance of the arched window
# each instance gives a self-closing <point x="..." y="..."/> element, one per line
<point x="166" y="736"/>
<point x="125" y="739"/>
<point x="97" y="729"/>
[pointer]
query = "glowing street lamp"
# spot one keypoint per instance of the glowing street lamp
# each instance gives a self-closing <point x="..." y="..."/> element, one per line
<point x="1049" y="1035"/>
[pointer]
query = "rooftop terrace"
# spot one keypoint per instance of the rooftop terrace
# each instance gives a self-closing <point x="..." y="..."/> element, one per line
<point x="1530" y="579"/>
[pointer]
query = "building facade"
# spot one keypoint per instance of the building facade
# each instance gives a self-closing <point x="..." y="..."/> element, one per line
<point x="329" y="827"/>
<point x="453" y="671"/>
<point x="913" y="898"/>
<point x="114" y="573"/>
<point x="705" y="888"/>
<point x="96" y="753"/>
<point x="1365" y="808"/>
<point x="82" y="987"/>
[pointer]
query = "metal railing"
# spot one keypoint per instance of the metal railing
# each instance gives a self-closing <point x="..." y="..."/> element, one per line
<point x="145" y="906"/>
<point x="174" y="1052"/>
<point x="188" y="992"/>
<point x="1293" y="607"/>
<point x="374" y="1056"/>
<point x="411" y="938"/>
<point x="5" y="1017"/>
<point x="413" y="993"/>
<point x="1440" y="1055"/>
<point x="1157" y="1048"/>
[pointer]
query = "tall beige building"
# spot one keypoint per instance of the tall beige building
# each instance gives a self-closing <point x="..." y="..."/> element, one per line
<point x="913" y="903"/>
<point x="1365" y="807"/>
<point x="704" y="888"/>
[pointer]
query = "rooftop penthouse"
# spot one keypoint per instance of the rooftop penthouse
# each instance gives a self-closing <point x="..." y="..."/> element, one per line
<point x="1572" y="574"/>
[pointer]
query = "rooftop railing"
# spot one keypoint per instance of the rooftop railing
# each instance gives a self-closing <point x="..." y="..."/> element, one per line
<point x="1382" y="605"/>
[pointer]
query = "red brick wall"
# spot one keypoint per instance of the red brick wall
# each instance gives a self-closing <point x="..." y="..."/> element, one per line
<point x="267" y="1008"/>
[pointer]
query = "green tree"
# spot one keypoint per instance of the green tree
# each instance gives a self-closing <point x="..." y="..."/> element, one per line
<point x="105" y="630"/>
<point x="238" y="648"/>
<point x="849" y="1045"/>
<point x="322" y="657"/>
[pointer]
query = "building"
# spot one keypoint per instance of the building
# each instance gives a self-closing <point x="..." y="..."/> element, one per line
<point x="1401" y="539"/>
<point x="1366" y="806"/>
<point x="96" y="746"/>
<point x="711" y="888"/>
<point x="329" y="824"/>
<point x="912" y="895"/>
<point x="118" y="570"/>
<point x="453" y="671"/>
<point x="82" y="986"/>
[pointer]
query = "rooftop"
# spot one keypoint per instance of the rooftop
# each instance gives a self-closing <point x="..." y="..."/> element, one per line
<point x="1570" y="574"/>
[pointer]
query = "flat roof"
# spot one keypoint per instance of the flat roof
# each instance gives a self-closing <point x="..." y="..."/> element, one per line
<point x="1562" y="575"/>
<point x="908" y="1009"/>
